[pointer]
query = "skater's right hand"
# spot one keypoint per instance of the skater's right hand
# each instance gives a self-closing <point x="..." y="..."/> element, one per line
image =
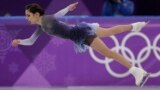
<point x="15" y="42"/>
<point x="72" y="6"/>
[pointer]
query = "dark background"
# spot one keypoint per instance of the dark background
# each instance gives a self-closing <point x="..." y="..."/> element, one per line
<point x="16" y="7"/>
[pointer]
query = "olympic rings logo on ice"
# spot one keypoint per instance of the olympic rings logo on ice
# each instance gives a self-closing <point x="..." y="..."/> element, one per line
<point x="142" y="55"/>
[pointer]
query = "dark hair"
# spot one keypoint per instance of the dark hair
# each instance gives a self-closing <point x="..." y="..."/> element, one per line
<point x="33" y="8"/>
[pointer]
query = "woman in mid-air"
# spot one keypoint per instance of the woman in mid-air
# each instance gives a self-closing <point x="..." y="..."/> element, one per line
<point x="84" y="35"/>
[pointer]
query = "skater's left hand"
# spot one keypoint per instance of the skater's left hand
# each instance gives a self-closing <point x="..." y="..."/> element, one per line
<point x="15" y="42"/>
<point x="73" y="6"/>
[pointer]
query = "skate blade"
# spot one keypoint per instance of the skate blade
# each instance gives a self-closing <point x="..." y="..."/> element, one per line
<point x="145" y="80"/>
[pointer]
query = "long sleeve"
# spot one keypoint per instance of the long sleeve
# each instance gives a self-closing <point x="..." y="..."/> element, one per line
<point x="61" y="12"/>
<point x="30" y="41"/>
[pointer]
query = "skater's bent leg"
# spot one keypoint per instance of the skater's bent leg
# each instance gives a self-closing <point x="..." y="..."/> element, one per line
<point x="100" y="47"/>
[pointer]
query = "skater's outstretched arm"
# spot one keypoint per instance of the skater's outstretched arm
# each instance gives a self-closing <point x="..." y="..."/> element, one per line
<point x="64" y="11"/>
<point x="29" y="41"/>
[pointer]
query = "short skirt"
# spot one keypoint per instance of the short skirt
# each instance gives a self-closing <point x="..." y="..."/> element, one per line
<point x="83" y="34"/>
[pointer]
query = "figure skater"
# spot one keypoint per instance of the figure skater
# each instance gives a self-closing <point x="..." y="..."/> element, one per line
<point x="84" y="35"/>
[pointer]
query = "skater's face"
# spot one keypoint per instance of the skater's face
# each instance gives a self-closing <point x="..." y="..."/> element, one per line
<point x="33" y="18"/>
